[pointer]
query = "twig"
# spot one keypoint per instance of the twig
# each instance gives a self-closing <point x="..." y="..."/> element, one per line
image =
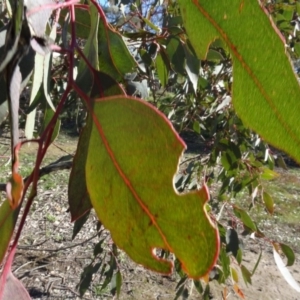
<point x="190" y="158"/>
<point x="59" y="249"/>
<point x="35" y="245"/>
<point x="64" y="163"/>
<point x="31" y="270"/>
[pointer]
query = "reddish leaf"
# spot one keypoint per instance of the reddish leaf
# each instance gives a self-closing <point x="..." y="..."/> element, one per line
<point x="14" y="190"/>
<point x="238" y="291"/>
<point x="133" y="155"/>
<point x="13" y="289"/>
<point x="205" y="278"/>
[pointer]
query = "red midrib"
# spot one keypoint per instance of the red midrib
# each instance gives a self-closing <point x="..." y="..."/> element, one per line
<point x="249" y="71"/>
<point x="127" y="181"/>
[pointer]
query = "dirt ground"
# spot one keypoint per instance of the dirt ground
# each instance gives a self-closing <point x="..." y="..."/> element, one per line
<point x="49" y="263"/>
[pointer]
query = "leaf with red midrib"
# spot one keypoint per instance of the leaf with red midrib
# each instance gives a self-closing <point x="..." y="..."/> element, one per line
<point x="265" y="90"/>
<point x="132" y="157"/>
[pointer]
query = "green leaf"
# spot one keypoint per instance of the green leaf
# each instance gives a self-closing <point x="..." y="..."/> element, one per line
<point x="289" y="253"/>
<point x="78" y="196"/>
<point x="196" y="127"/>
<point x="95" y="84"/>
<point x="105" y="51"/>
<point x="298" y="7"/>
<point x="284" y="271"/>
<point x="234" y="275"/>
<point x="225" y="262"/>
<point x="82" y="22"/>
<point x="182" y="281"/>
<point x="207" y="295"/>
<point x="214" y="55"/>
<point x="118" y="283"/>
<point x="151" y="25"/>
<point x="176" y="54"/>
<point x="179" y="293"/>
<point x="243" y="215"/>
<point x="269" y="203"/>
<point x="261" y="85"/>
<point x="198" y="286"/>
<point x="8" y="218"/>
<point x="114" y="57"/>
<point x="133" y="194"/>
<point x="246" y="275"/>
<point x="84" y="78"/>
<point x="239" y="256"/>
<point x="269" y="174"/>
<point x="162" y="70"/>
<point x="257" y="263"/>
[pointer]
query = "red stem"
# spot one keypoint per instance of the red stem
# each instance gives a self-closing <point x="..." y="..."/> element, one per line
<point x="101" y="12"/>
